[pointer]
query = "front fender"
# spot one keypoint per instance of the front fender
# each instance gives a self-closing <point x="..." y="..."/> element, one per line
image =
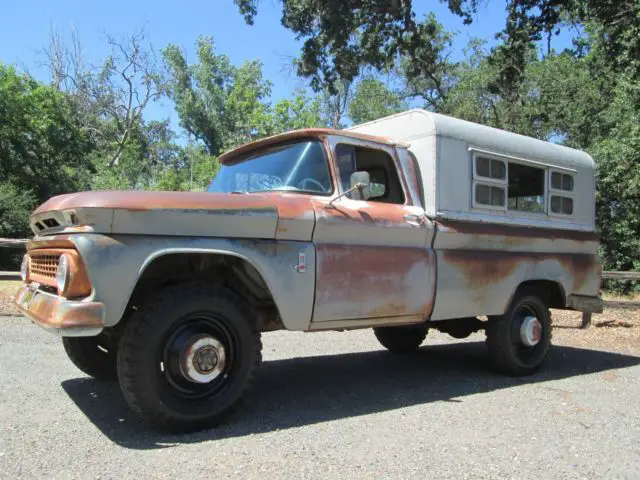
<point x="115" y="263"/>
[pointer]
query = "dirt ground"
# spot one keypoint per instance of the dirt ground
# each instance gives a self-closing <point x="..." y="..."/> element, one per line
<point x="7" y="291"/>
<point x="615" y="329"/>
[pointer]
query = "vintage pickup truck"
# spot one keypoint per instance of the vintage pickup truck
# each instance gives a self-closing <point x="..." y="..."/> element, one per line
<point x="412" y="222"/>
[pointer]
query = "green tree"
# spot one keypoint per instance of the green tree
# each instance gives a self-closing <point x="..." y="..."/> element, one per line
<point x="218" y="103"/>
<point x="43" y="148"/>
<point x="616" y="147"/>
<point x="149" y="152"/>
<point x="15" y="207"/>
<point x="340" y="37"/>
<point x="301" y="111"/>
<point x="193" y="170"/>
<point x="373" y="99"/>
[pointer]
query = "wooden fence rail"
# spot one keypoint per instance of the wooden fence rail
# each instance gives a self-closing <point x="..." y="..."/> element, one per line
<point x="13" y="242"/>
<point x="628" y="276"/>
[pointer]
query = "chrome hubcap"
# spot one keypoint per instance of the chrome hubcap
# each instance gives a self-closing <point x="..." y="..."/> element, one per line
<point x="530" y="331"/>
<point x="203" y="359"/>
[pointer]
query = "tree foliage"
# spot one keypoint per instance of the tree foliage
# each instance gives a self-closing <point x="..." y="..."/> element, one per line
<point x="373" y="99"/>
<point x="111" y="98"/>
<point x="42" y="145"/>
<point x="341" y="37"/>
<point x="218" y="103"/>
<point x="301" y="111"/>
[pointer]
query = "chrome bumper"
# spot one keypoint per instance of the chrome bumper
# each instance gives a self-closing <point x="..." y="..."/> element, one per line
<point x="67" y="318"/>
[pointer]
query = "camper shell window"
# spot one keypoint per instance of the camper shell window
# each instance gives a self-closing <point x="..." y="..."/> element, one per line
<point x="526" y="188"/>
<point x="501" y="184"/>
<point x="490" y="182"/>
<point x="562" y="188"/>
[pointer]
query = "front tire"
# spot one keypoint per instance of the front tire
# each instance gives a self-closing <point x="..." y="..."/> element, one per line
<point x="188" y="356"/>
<point x="400" y="340"/>
<point x="95" y="356"/>
<point x="519" y="341"/>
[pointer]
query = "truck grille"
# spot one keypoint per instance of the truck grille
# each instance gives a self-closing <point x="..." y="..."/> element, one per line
<point x="44" y="264"/>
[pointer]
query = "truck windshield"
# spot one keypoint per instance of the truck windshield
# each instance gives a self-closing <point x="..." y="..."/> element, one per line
<point x="300" y="167"/>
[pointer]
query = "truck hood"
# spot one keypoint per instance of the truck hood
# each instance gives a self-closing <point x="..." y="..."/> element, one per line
<point x="254" y="215"/>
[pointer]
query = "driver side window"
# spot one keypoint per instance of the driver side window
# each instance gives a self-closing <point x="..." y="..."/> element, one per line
<point x="385" y="184"/>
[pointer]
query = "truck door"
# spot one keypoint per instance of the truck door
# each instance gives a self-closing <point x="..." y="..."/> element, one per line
<point x="374" y="259"/>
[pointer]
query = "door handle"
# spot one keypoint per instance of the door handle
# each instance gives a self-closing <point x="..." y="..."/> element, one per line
<point x="414" y="219"/>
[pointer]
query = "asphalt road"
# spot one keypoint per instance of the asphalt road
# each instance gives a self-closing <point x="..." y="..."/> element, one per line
<point x="333" y="405"/>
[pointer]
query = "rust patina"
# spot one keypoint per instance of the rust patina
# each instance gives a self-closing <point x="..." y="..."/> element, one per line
<point x="143" y="201"/>
<point x="526" y="232"/>
<point x="57" y="313"/>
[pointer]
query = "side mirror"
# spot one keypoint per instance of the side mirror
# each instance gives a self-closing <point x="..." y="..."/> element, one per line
<point x="360" y="183"/>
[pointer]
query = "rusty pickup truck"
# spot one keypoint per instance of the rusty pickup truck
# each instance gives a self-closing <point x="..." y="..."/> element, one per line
<point x="413" y="222"/>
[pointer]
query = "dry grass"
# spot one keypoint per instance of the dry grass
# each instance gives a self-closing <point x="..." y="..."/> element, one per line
<point x="8" y="289"/>
<point x="615" y="329"/>
<point x="635" y="297"/>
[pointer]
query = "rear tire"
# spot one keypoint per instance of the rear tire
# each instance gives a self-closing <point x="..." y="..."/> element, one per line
<point x="85" y="354"/>
<point x="400" y="340"/>
<point x="511" y="353"/>
<point x="187" y="357"/>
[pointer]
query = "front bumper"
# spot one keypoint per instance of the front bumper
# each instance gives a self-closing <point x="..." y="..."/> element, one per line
<point x="67" y="318"/>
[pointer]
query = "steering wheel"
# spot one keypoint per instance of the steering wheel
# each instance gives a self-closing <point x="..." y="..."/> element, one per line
<point x="313" y="181"/>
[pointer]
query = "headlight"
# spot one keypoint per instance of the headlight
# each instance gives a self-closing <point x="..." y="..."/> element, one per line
<point x="62" y="274"/>
<point x="24" y="268"/>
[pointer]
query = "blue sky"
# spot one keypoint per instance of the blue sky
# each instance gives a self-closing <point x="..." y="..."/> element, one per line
<point x="24" y="28"/>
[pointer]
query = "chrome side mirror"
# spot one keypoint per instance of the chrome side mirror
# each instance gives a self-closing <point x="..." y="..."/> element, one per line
<point x="360" y="183"/>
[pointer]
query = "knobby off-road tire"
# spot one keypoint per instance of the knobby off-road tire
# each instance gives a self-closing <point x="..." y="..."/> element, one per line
<point x="192" y="330"/>
<point x="400" y="339"/>
<point x="508" y="352"/>
<point x="86" y="354"/>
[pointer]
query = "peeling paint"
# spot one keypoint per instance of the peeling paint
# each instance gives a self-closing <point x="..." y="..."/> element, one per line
<point x="372" y="281"/>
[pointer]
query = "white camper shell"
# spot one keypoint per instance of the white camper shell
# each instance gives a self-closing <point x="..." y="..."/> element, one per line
<point x="474" y="172"/>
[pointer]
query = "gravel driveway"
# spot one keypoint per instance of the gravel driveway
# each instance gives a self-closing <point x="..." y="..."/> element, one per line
<point x="333" y="405"/>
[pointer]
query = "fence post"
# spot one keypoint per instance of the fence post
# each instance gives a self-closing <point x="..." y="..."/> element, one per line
<point x="586" y="320"/>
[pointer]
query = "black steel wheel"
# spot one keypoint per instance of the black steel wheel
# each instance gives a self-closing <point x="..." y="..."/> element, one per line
<point x="519" y="341"/>
<point x="95" y="356"/>
<point x="188" y="356"/>
<point x="401" y="340"/>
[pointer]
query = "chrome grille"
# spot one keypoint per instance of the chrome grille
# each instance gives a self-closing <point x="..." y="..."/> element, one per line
<point x="44" y="264"/>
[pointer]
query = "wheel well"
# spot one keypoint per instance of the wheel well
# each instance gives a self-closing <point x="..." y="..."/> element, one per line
<point x="554" y="292"/>
<point x="232" y="272"/>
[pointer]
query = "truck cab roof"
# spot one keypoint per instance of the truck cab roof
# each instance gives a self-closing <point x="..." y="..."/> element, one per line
<point x="304" y="133"/>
